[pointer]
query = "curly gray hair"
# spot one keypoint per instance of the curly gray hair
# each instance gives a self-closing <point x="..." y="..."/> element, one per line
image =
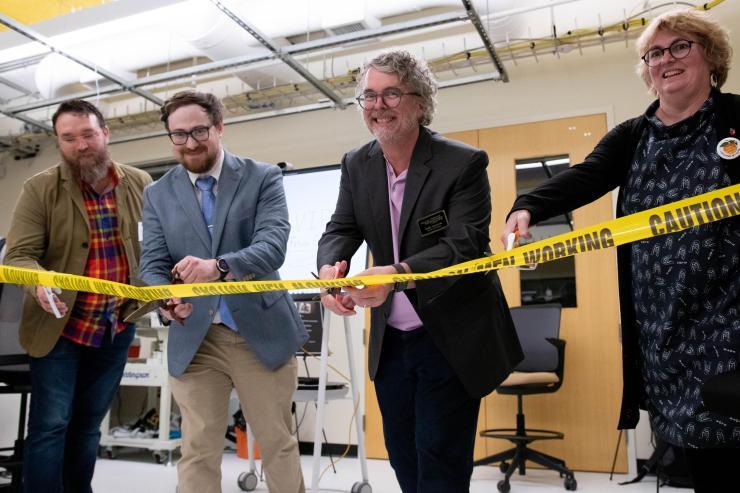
<point x="412" y="72"/>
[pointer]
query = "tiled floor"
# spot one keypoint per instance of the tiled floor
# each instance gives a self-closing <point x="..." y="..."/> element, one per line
<point x="133" y="473"/>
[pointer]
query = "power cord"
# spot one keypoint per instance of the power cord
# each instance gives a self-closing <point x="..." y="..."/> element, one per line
<point x="349" y="441"/>
<point x="306" y="354"/>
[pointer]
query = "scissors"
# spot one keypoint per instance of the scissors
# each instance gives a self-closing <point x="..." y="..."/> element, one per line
<point x="329" y="291"/>
<point x="167" y="305"/>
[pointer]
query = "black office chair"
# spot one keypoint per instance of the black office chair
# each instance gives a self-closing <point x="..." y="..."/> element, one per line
<point x="16" y="375"/>
<point x="541" y="372"/>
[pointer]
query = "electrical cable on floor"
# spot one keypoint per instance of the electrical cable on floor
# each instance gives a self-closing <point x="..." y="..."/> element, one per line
<point x="349" y="442"/>
<point x="300" y="421"/>
<point x="354" y="413"/>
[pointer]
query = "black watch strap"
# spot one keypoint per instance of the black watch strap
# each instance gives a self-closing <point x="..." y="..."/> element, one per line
<point x="400" y="285"/>
<point x="223" y="268"/>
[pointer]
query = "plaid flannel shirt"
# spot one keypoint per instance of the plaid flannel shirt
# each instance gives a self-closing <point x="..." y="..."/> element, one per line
<point x="93" y="313"/>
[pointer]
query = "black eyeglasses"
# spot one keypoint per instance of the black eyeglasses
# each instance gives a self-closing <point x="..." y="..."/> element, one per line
<point x="391" y="97"/>
<point x="679" y="49"/>
<point x="199" y="134"/>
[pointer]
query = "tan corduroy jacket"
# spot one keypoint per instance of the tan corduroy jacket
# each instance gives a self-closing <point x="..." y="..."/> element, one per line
<point x="49" y="230"/>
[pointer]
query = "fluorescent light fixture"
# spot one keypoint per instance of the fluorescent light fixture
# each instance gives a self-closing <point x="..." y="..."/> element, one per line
<point x="538" y="164"/>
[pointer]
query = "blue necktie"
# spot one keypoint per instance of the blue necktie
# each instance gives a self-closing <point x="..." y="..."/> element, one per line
<point x="207" y="205"/>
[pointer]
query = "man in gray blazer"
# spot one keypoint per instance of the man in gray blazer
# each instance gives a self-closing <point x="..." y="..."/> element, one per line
<point x="219" y="217"/>
<point x="422" y="202"/>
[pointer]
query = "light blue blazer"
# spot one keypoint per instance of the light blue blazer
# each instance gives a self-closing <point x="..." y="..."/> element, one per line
<point x="250" y="231"/>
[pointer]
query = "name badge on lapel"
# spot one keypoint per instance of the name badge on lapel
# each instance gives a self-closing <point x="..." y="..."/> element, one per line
<point x="433" y="223"/>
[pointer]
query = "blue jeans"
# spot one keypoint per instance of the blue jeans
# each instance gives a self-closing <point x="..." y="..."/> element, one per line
<point x="429" y="420"/>
<point x="71" y="390"/>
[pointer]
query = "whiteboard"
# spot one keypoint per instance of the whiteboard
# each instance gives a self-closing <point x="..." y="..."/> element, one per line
<point x="311" y="195"/>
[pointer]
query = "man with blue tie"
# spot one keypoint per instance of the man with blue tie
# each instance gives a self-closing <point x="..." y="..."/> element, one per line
<point x="219" y="217"/>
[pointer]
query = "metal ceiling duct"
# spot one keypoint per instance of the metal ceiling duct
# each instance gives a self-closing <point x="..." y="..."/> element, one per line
<point x="58" y="76"/>
<point x="196" y="28"/>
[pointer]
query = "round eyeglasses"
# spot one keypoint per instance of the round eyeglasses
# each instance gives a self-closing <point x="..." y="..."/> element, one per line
<point x="199" y="134"/>
<point x="679" y="49"/>
<point x="391" y="97"/>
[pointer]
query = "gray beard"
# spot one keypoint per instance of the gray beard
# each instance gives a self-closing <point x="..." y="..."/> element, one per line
<point x="392" y="137"/>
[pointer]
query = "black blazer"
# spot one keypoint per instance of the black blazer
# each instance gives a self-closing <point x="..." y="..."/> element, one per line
<point x="466" y="316"/>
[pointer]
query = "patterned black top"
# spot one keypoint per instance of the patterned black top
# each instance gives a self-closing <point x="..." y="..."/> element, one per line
<point x="686" y="285"/>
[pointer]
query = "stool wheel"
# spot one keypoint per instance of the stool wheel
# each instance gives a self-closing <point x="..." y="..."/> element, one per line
<point x="361" y="487"/>
<point x="247" y="481"/>
<point x="570" y="483"/>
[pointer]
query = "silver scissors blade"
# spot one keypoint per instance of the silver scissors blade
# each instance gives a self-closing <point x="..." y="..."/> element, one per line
<point x="142" y="311"/>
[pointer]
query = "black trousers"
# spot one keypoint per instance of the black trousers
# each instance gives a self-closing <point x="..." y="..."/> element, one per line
<point x="429" y="420"/>
<point x="714" y="470"/>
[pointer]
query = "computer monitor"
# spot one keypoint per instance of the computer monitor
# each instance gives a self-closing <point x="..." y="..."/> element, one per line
<point x="309" y="308"/>
<point x="311" y="195"/>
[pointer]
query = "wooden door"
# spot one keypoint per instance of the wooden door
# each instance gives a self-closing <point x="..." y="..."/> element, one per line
<point x="586" y="408"/>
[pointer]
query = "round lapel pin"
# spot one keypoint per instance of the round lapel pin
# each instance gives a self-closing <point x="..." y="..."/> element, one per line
<point x="728" y="148"/>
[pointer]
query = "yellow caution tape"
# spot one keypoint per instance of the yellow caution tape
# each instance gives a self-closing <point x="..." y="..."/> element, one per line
<point x="669" y="218"/>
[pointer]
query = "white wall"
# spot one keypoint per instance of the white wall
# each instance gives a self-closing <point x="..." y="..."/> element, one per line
<point x="597" y="82"/>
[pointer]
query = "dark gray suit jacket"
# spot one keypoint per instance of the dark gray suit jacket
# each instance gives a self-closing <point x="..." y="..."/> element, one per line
<point x="250" y="231"/>
<point x="467" y="317"/>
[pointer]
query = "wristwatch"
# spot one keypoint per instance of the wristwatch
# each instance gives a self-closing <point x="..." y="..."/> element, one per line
<point x="400" y="285"/>
<point x="223" y="268"/>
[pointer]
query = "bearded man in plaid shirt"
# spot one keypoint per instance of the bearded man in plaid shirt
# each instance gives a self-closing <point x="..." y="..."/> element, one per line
<point x="78" y="217"/>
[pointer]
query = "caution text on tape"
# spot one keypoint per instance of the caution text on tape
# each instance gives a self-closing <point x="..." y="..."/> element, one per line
<point x="670" y="218"/>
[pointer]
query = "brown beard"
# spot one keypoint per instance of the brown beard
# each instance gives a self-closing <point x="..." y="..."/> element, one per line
<point x="204" y="166"/>
<point x="91" y="167"/>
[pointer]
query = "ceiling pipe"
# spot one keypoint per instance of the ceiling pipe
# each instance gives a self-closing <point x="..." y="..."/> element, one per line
<point x="31" y="34"/>
<point x="172" y="75"/>
<point x="280" y="54"/>
<point x="241" y="61"/>
<point x="236" y="62"/>
<point x="15" y="87"/>
<point x="531" y="8"/>
<point x="304" y="47"/>
<point x="30" y="121"/>
<point x="300" y="109"/>
<point x="366" y="34"/>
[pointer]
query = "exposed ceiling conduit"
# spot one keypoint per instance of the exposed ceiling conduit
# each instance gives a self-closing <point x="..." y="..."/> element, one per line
<point x="198" y="28"/>
<point x="344" y="48"/>
<point x="30" y="33"/>
<point x="284" y="57"/>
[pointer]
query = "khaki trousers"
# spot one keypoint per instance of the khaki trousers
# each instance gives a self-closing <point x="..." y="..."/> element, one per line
<point x="224" y="361"/>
